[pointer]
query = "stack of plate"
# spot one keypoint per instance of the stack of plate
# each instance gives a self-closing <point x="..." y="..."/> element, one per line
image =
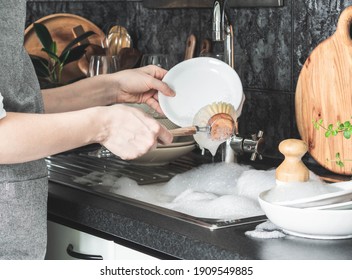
<point x="164" y="154"/>
<point x="327" y="216"/>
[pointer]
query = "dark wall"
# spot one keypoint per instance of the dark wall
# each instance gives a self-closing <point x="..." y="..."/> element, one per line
<point x="271" y="45"/>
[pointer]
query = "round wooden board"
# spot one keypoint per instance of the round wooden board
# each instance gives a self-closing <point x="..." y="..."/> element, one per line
<point x="324" y="91"/>
<point x="61" y="27"/>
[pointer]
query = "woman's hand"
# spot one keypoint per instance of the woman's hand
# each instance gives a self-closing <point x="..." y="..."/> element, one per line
<point x="141" y="85"/>
<point x="129" y="133"/>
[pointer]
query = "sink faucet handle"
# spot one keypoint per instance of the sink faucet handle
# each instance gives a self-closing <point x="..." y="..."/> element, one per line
<point x="253" y="145"/>
<point x="257" y="145"/>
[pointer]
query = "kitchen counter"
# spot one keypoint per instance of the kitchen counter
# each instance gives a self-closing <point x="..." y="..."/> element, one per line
<point x="170" y="238"/>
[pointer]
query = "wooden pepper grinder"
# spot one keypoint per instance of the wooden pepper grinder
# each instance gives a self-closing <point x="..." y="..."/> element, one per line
<point x="292" y="169"/>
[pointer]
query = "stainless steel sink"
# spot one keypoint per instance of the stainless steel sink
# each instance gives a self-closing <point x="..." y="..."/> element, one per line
<point x="65" y="168"/>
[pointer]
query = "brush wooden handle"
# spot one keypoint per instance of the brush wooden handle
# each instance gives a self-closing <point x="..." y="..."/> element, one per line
<point x="184" y="131"/>
<point x="292" y="169"/>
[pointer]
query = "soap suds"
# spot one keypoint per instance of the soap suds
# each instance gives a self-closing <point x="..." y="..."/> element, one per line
<point x="216" y="190"/>
<point x="266" y="230"/>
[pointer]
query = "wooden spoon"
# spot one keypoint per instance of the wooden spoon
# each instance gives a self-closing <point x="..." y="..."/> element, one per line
<point x="190" y="46"/>
<point x="205" y="47"/>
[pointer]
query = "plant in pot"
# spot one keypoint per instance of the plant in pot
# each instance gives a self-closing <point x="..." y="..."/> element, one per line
<point x="49" y="71"/>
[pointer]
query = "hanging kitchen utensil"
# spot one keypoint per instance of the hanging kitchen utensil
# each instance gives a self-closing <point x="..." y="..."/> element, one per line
<point x="190" y="46"/>
<point x="128" y="58"/>
<point x="205" y="47"/>
<point x="324" y="92"/>
<point x="118" y="38"/>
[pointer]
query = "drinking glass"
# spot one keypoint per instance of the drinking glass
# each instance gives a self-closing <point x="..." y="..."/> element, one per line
<point x="161" y="60"/>
<point x="103" y="64"/>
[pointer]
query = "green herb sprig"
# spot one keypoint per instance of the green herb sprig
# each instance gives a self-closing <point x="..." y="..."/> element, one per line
<point x="333" y="130"/>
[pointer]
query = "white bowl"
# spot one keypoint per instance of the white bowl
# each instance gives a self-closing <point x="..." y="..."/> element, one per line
<point x="310" y="223"/>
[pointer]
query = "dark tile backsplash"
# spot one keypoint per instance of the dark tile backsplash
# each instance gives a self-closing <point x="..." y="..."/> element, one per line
<point x="271" y="45"/>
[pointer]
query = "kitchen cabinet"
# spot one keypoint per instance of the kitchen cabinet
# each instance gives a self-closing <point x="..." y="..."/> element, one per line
<point x="65" y="243"/>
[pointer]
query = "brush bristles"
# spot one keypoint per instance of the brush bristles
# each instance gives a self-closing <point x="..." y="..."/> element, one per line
<point x="205" y="113"/>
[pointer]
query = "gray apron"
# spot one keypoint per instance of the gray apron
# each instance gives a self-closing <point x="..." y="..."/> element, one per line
<point x="23" y="187"/>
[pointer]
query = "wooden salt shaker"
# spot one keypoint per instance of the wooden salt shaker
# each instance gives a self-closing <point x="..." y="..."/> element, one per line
<point x="292" y="169"/>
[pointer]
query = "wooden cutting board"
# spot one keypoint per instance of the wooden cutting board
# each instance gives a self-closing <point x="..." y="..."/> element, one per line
<point x="61" y="28"/>
<point x="324" y="91"/>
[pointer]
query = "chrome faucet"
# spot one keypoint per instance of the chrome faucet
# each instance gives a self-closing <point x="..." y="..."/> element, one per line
<point x="223" y="32"/>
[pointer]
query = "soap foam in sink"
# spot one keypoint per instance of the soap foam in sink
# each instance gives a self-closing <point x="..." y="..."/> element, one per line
<point x="216" y="190"/>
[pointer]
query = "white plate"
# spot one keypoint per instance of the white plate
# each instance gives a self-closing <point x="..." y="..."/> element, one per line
<point x="199" y="82"/>
<point x="343" y="194"/>
<point x="310" y="223"/>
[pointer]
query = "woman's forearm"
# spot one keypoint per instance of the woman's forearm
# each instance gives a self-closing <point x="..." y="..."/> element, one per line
<point x="27" y="137"/>
<point x="96" y="91"/>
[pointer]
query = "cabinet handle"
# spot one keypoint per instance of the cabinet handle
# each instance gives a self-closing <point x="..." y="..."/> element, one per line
<point x="81" y="256"/>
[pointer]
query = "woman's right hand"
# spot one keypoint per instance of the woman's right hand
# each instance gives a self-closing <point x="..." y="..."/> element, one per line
<point x="129" y="133"/>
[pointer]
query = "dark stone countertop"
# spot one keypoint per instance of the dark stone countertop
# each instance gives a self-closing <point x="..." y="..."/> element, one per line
<point x="171" y="238"/>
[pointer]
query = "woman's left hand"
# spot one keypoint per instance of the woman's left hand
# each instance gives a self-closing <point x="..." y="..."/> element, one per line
<point x="141" y="85"/>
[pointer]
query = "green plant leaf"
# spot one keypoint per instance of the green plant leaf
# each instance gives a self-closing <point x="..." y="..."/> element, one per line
<point x="63" y="57"/>
<point x="80" y="38"/>
<point x="41" y="66"/>
<point x="52" y="55"/>
<point x="43" y="35"/>
<point x="328" y="133"/>
<point x="347" y="134"/>
<point x="75" y="54"/>
<point x="315" y="124"/>
<point x="53" y="48"/>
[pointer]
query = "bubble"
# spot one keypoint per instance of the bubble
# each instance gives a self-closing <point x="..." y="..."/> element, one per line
<point x="215" y="190"/>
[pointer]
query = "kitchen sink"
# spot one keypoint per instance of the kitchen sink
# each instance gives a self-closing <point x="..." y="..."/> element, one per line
<point x="67" y="167"/>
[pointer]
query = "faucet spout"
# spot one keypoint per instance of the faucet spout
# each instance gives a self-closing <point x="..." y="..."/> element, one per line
<point x="218" y="33"/>
<point x="223" y="31"/>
